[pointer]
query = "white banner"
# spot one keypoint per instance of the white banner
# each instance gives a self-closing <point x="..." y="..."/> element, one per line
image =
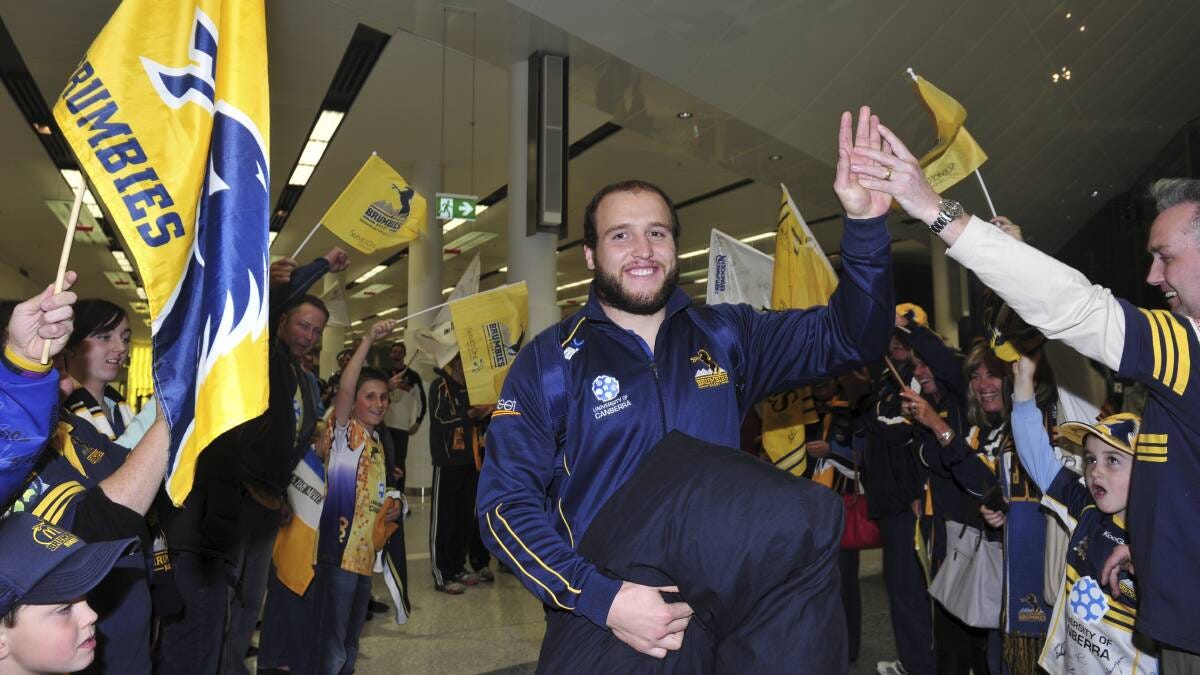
<point x="738" y="272"/>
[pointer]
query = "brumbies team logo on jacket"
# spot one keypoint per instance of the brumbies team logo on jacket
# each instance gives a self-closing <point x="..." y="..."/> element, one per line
<point x="709" y="374"/>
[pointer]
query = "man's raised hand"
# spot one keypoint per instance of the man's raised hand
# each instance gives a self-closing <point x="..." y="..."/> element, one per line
<point x="857" y="200"/>
<point x="46" y="317"/>
<point x="640" y="618"/>
<point x="338" y="260"/>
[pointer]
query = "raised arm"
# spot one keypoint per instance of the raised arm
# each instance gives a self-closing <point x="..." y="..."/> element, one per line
<point x="1049" y="295"/>
<point x="1033" y="445"/>
<point x="343" y="403"/>
<point x="28" y="389"/>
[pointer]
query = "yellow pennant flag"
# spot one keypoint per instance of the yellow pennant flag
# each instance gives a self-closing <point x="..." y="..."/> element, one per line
<point x="956" y="154"/>
<point x="377" y="210"/>
<point x="803" y="278"/>
<point x="167" y="113"/>
<point x="491" y="328"/>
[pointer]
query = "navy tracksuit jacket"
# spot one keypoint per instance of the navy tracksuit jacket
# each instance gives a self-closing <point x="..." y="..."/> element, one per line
<point x="537" y="495"/>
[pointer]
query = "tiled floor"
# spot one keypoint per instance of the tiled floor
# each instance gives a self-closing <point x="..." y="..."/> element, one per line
<point x="497" y="628"/>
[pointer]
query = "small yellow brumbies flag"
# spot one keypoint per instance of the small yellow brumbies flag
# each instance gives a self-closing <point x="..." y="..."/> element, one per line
<point x="956" y="154"/>
<point x="377" y="210"/>
<point x="168" y="115"/>
<point x="803" y="278"/>
<point x="491" y="328"/>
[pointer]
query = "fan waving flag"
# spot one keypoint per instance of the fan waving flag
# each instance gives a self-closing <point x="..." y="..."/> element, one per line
<point x="168" y="115"/>
<point x="956" y="154"/>
<point x="803" y="278"/>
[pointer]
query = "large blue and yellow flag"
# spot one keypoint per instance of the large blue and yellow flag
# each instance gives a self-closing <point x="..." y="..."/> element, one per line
<point x="168" y="115"/>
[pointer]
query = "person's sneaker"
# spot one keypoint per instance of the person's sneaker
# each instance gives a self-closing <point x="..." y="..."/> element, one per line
<point x="452" y="588"/>
<point x="467" y="578"/>
<point x="890" y="668"/>
<point x="376" y="606"/>
<point x="485" y="575"/>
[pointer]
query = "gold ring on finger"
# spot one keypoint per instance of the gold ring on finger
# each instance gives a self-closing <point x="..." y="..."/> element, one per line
<point x="888" y="175"/>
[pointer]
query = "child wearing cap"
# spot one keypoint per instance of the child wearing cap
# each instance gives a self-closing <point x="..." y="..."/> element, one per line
<point x="1090" y="630"/>
<point x="356" y="517"/>
<point x="45" y="571"/>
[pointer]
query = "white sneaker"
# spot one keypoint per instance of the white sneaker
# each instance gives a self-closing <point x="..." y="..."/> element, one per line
<point x="890" y="668"/>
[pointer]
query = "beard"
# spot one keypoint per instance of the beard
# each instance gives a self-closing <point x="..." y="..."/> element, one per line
<point x="611" y="292"/>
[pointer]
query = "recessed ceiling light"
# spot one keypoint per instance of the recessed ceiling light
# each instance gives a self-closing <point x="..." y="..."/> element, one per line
<point x="1095" y="193"/>
<point x="1068" y="15"/>
<point x="685" y="115"/>
<point x="1082" y="28"/>
<point x="775" y="158"/>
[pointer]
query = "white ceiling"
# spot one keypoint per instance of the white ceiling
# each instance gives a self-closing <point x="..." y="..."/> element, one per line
<point x="760" y="77"/>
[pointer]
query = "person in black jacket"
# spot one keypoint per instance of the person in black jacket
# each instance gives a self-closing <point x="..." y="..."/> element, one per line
<point x="222" y="537"/>
<point x="455" y="442"/>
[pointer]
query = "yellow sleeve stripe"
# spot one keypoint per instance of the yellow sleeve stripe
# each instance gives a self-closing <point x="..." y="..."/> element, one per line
<point x="522" y="567"/>
<point x="502" y="413"/>
<point x="54" y="504"/>
<point x="570" y="534"/>
<point x="532" y="554"/>
<point x="1171" y="349"/>
<point x="1156" y="439"/>
<point x="565" y="467"/>
<point x="1151" y="450"/>
<point x="572" y="333"/>
<point x="1152" y="458"/>
<point x="24" y="363"/>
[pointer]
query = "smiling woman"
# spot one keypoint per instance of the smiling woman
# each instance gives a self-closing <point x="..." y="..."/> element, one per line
<point x="94" y="356"/>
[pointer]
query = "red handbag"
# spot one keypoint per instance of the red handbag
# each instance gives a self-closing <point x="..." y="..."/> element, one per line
<point x="860" y="531"/>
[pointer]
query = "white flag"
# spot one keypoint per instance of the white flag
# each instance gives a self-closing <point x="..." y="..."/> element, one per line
<point x="468" y="284"/>
<point x="436" y="343"/>
<point x="738" y="272"/>
<point x="335" y="302"/>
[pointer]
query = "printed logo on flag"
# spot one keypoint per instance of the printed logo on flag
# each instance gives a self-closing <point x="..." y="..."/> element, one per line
<point x="722" y="265"/>
<point x="710" y="374"/>
<point x="500" y="350"/>
<point x="385" y="218"/>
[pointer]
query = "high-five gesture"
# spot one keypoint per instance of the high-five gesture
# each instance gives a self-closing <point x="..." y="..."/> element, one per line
<point x="46" y="317"/>
<point x="858" y="201"/>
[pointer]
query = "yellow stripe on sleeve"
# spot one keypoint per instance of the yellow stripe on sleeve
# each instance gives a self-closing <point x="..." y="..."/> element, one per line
<point x="1184" y="359"/>
<point x="570" y="534"/>
<point x="1169" y="346"/>
<point x="522" y="567"/>
<point x="532" y="554"/>
<point x="1154" y="342"/>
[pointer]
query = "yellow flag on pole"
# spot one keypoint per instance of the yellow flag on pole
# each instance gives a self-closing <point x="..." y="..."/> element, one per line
<point x="377" y="210"/>
<point x="803" y="278"/>
<point x="168" y="115"/>
<point x="956" y="154"/>
<point x="491" y="328"/>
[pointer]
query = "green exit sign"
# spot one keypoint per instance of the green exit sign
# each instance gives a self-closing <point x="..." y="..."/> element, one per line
<point x="450" y="207"/>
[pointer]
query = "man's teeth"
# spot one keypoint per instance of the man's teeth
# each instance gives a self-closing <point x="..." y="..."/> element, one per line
<point x="642" y="271"/>
<point x="1170" y="294"/>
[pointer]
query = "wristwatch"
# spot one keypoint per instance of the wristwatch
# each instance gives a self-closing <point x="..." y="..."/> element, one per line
<point x="948" y="210"/>
<point x="945" y="437"/>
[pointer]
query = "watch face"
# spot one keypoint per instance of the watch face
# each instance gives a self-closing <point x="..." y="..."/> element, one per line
<point x="951" y="208"/>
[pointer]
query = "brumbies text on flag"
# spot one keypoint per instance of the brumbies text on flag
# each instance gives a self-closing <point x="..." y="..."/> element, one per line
<point x="168" y="115"/>
<point x="803" y="278"/>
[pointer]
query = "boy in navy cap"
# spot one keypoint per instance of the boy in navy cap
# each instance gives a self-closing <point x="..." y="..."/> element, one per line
<point x="1091" y="630"/>
<point x="45" y="571"/>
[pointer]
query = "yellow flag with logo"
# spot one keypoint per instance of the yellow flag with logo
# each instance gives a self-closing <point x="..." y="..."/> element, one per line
<point x="377" y="210"/>
<point x="956" y="154"/>
<point x="167" y="113"/>
<point x="490" y="327"/>
<point x="803" y="278"/>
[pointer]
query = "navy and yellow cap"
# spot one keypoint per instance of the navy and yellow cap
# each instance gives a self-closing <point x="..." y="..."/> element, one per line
<point x="42" y="564"/>
<point x="914" y="312"/>
<point x="1120" y="431"/>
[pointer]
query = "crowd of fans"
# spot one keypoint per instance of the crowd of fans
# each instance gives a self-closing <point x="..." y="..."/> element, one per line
<point x="1008" y="532"/>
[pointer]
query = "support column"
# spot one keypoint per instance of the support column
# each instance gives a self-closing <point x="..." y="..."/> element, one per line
<point x="944" y="321"/>
<point x="530" y="258"/>
<point x="424" y="291"/>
